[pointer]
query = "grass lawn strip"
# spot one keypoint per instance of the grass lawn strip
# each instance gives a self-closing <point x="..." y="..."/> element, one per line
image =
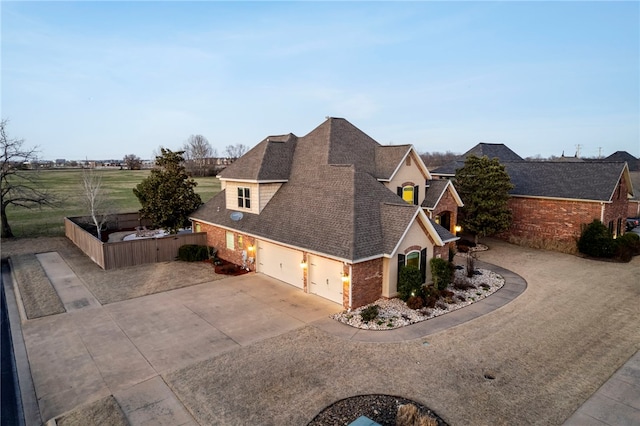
<point x="127" y="283"/>
<point x="105" y="411"/>
<point x="38" y="295"/>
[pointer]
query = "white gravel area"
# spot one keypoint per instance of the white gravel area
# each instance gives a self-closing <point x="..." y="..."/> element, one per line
<point x="394" y="313"/>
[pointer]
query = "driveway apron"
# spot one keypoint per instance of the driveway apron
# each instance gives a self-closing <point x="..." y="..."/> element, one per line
<point x="123" y="348"/>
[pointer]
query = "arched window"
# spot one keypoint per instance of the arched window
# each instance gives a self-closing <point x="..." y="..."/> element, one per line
<point x="407" y="194"/>
<point x="413" y="259"/>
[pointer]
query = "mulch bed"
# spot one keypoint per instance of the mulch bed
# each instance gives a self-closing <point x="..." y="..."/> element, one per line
<point x="381" y="409"/>
<point x="228" y="268"/>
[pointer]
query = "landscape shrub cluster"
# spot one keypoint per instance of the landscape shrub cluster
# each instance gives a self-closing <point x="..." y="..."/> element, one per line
<point x="417" y="295"/>
<point x="597" y="241"/>
<point x="194" y="253"/>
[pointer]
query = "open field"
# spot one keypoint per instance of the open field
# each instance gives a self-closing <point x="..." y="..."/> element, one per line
<point x="67" y="184"/>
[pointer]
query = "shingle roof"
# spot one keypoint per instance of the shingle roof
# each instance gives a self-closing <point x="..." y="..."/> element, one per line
<point x="448" y="169"/>
<point x="269" y="160"/>
<point x="635" y="181"/>
<point x="435" y="189"/>
<point x="583" y="181"/>
<point x="492" y="150"/>
<point x="332" y="202"/>
<point x="633" y="162"/>
<point x="353" y="222"/>
<point x="388" y="158"/>
<point x="443" y="232"/>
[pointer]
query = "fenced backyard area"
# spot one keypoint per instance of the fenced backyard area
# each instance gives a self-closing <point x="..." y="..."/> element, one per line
<point x="120" y="254"/>
<point x="66" y="185"/>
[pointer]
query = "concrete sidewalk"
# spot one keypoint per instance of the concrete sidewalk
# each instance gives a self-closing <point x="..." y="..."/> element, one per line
<point x="615" y="403"/>
<point x="514" y="286"/>
<point x="72" y="292"/>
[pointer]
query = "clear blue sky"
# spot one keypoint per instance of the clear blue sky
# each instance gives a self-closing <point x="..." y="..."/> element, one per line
<point x="100" y="80"/>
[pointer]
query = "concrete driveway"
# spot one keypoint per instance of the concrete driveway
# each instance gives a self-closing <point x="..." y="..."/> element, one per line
<point x="123" y="348"/>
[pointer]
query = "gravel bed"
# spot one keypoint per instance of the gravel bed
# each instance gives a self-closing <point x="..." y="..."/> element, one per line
<point x="381" y="409"/>
<point x="394" y="313"/>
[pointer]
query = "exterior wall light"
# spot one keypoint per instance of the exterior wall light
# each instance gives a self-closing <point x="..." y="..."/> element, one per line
<point x="345" y="277"/>
<point x="458" y="228"/>
<point x="250" y="248"/>
<point x="303" y="264"/>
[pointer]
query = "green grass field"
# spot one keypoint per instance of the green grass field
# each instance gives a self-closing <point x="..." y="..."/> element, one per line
<point x="67" y="185"/>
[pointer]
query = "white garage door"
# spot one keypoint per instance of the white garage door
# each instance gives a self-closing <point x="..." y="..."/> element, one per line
<point x="325" y="278"/>
<point x="281" y="263"/>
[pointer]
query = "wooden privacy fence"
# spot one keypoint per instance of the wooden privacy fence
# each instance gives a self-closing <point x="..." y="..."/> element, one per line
<point x="129" y="253"/>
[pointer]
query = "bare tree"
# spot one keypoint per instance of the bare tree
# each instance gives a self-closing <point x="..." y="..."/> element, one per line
<point x="95" y="199"/>
<point x="19" y="187"/>
<point x="437" y="159"/>
<point x="133" y="162"/>
<point x="236" y="151"/>
<point x="197" y="150"/>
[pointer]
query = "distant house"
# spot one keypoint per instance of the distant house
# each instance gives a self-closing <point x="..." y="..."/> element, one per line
<point x="634" y="201"/>
<point x="483" y="149"/>
<point x="552" y="200"/>
<point x="624" y="156"/>
<point x="333" y="213"/>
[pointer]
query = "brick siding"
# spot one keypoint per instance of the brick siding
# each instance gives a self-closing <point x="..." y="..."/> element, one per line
<point x="217" y="237"/>
<point x="557" y="224"/>
<point x="366" y="283"/>
<point x="448" y="203"/>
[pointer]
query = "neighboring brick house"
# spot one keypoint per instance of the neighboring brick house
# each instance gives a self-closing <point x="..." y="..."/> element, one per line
<point x="552" y="200"/>
<point x="333" y="212"/>
<point x="634" y="202"/>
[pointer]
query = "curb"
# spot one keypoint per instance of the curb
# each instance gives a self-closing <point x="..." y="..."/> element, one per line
<point x="27" y="395"/>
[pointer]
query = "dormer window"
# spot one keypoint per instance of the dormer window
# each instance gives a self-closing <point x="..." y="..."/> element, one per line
<point x="244" y="198"/>
<point x="409" y="193"/>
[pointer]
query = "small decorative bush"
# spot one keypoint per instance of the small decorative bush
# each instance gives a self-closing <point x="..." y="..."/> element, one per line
<point x="430" y="301"/>
<point x="462" y="283"/>
<point x="441" y="272"/>
<point x="369" y="313"/>
<point x="409" y="415"/>
<point x="446" y="293"/>
<point x="596" y="240"/>
<point x="627" y="246"/>
<point x="415" y="302"/>
<point x="409" y="282"/>
<point x="193" y="253"/>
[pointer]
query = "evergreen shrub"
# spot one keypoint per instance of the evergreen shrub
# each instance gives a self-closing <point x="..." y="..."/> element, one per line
<point x="441" y="272"/>
<point x="596" y="240"/>
<point x="409" y="282"/>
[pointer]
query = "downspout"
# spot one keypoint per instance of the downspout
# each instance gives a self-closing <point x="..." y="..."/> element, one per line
<point x="350" y="287"/>
<point x="602" y="212"/>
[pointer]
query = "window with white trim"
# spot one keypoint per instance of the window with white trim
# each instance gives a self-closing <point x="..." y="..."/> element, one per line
<point x="244" y="197"/>
<point x="230" y="242"/>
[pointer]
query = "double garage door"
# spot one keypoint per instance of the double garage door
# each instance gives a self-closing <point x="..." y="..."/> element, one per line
<point x="282" y="263"/>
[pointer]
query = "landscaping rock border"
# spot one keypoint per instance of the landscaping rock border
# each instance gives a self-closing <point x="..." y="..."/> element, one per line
<point x="380" y="408"/>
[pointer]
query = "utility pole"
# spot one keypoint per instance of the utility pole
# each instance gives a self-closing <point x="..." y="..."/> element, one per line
<point x="599" y="152"/>
<point x="578" y="147"/>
